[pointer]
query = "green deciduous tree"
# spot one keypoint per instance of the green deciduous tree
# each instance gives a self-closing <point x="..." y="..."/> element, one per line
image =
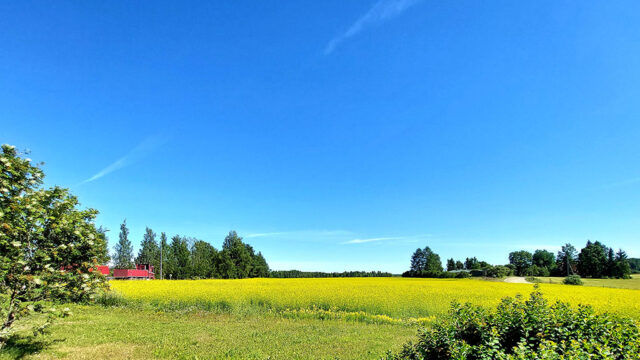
<point x="233" y="248"/>
<point x="566" y="259"/>
<point x="418" y="261"/>
<point x="592" y="260"/>
<point x="451" y="265"/>
<point x="521" y="260"/>
<point x="203" y="257"/>
<point x="471" y="263"/>
<point x="182" y="255"/>
<point x="424" y="262"/>
<point x="48" y="247"/>
<point x="259" y="267"/>
<point x="544" y="258"/>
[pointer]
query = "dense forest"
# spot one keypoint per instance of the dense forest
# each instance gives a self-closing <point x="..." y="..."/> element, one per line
<point x="634" y="263"/>
<point x="190" y="258"/>
<point x="595" y="260"/>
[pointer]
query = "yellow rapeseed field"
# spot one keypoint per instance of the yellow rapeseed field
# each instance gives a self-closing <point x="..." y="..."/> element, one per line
<point x="373" y="299"/>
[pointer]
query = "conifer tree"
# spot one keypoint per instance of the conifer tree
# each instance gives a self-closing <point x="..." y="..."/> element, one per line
<point x="149" y="250"/>
<point x="165" y="252"/>
<point x="123" y="249"/>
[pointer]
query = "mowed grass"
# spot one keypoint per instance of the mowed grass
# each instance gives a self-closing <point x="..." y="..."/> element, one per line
<point x="633" y="283"/>
<point x="95" y="332"/>
<point x="395" y="298"/>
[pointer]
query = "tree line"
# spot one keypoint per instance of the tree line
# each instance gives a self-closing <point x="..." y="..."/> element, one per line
<point x="190" y="258"/>
<point x="595" y="260"/>
<point x="287" y="274"/>
<point x="635" y="265"/>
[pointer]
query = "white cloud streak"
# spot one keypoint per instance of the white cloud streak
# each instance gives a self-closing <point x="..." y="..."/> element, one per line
<point x="381" y="11"/>
<point x="363" y="241"/>
<point x="341" y="237"/>
<point x="409" y="239"/>
<point x="140" y="151"/>
<point x="303" y="234"/>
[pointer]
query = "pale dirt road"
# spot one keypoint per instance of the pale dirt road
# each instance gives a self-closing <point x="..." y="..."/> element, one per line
<point x="516" y="280"/>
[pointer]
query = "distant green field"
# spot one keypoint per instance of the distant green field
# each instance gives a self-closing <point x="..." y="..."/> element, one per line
<point x="633" y="283"/>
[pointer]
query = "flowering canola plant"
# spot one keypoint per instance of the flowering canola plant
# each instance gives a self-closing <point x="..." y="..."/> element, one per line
<point x="377" y="300"/>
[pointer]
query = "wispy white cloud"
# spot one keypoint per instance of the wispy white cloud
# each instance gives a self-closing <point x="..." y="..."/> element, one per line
<point x="362" y="241"/>
<point x="303" y="235"/>
<point x="409" y="239"/>
<point x="341" y="237"/>
<point x="140" y="151"/>
<point x="381" y="11"/>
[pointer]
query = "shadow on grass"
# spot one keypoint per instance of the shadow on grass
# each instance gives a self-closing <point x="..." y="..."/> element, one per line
<point x="19" y="347"/>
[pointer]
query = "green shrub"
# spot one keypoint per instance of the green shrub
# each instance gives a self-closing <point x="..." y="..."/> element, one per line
<point x="533" y="279"/>
<point x="477" y="272"/>
<point x="572" y="280"/>
<point x="499" y="271"/>
<point x="535" y="270"/>
<point x="526" y="329"/>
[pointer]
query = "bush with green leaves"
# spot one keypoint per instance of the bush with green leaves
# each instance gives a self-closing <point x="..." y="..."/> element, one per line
<point x="572" y="280"/>
<point x="499" y="271"/>
<point x="48" y="248"/>
<point x="526" y="329"/>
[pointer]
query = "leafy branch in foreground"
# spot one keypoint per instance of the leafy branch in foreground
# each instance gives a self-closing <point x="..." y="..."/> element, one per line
<point x="48" y="248"/>
<point x="526" y="329"/>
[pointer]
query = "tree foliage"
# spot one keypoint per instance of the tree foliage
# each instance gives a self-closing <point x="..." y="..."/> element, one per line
<point x="544" y="259"/>
<point x="471" y="263"/>
<point x="566" y="259"/>
<point x="425" y="261"/>
<point x="526" y="329"/>
<point x="189" y="258"/>
<point x="149" y="252"/>
<point x="596" y="260"/>
<point x="592" y="260"/>
<point x="521" y="260"/>
<point x="123" y="256"/>
<point x="451" y="264"/>
<point x="48" y="247"/>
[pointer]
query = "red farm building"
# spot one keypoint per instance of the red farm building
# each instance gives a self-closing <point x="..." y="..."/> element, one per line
<point x="103" y="269"/>
<point x="142" y="271"/>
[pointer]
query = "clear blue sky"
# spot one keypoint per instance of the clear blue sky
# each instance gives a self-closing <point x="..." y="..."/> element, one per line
<point x="336" y="135"/>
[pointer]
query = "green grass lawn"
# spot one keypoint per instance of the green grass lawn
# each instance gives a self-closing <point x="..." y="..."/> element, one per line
<point x="633" y="283"/>
<point x="94" y="332"/>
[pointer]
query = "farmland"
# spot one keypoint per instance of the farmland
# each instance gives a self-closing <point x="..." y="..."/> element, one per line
<point x="392" y="298"/>
<point x="349" y="318"/>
